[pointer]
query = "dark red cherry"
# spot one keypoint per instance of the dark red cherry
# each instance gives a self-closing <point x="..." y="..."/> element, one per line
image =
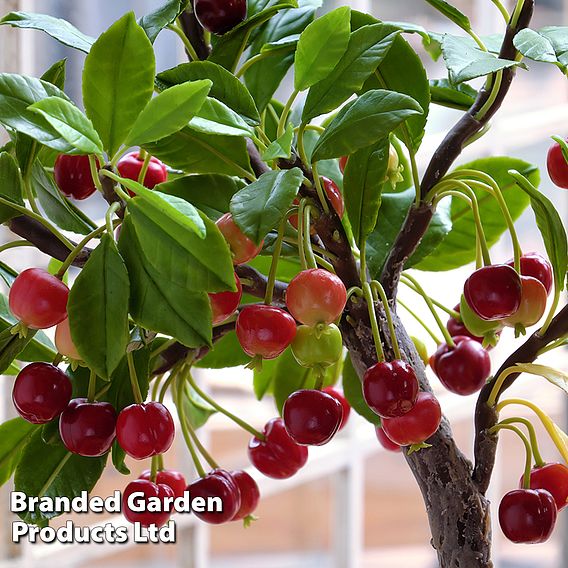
<point x="73" y="176"/>
<point x="224" y="304"/>
<point x="493" y="292"/>
<point x="220" y="16"/>
<point x="554" y="478"/>
<point x="130" y="166"/>
<point x="278" y="455"/>
<point x="535" y="265"/>
<point x="385" y="441"/>
<point x="335" y="393"/>
<point x="390" y="388"/>
<point x="145" y="430"/>
<point x="527" y="515"/>
<point x="312" y="417"/>
<point x="462" y="369"/>
<point x="173" y="479"/>
<point x="38" y="299"/>
<point x="148" y="490"/>
<point x="557" y="166"/>
<point x="218" y="483"/>
<point x="250" y="494"/>
<point x="88" y="428"/>
<point x="41" y="392"/>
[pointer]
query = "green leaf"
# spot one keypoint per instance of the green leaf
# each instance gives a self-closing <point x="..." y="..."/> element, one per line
<point x="11" y="345"/>
<point x="56" y="207"/>
<point x="259" y="207"/>
<point x="392" y="214"/>
<point x="363" y="182"/>
<point x="118" y="456"/>
<point x="14" y="435"/>
<point x="369" y="118"/>
<point x="281" y="147"/>
<point x="120" y="393"/>
<point x="458" y="248"/>
<point x="227" y="352"/>
<point x="315" y="59"/>
<point x="17" y="93"/>
<point x="466" y="62"/>
<point x="225" y="88"/>
<point x="196" y="409"/>
<point x="367" y="47"/>
<point x="98" y="309"/>
<point x="169" y="112"/>
<point x="452" y="13"/>
<point x="555" y="376"/>
<point x="460" y="97"/>
<point x="538" y="47"/>
<point x="59" y="29"/>
<point x="195" y="152"/>
<point x="154" y="22"/>
<point x="52" y="471"/>
<point x="558" y="37"/>
<point x="286" y="43"/>
<point x="7" y="273"/>
<point x="550" y="226"/>
<point x="118" y="80"/>
<point x="71" y="123"/>
<point x="353" y="392"/>
<point x="11" y="186"/>
<point x="215" y="117"/>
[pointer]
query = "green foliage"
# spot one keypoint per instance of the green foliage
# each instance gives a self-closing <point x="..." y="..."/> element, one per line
<point x="154" y="22"/>
<point x="14" y="434"/>
<point x="548" y="45"/>
<point x="11" y="187"/>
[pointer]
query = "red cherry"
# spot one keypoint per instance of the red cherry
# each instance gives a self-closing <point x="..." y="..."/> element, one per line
<point x="277" y="456"/>
<point x="145" y="430"/>
<point x="527" y="515"/>
<point x="220" y="16"/>
<point x="38" y="299"/>
<point x="41" y="392"/>
<point x="535" y="265"/>
<point x="173" y="479"/>
<point x="218" y="483"/>
<point x="554" y="478"/>
<point x="265" y="330"/>
<point x="316" y="296"/>
<point x="224" y="304"/>
<point x="456" y="327"/>
<point x="385" y="441"/>
<point x="130" y="166"/>
<point x="312" y="417"/>
<point x="390" y="388"/>
<point x="331" y="391"/>
<point x="149" y="490"/>
<point x="73" y="176"/>
<point x="493" y="292"/>
<point x="88" y="428"/>
<point x="250" y="494"/>
<point x="533" y="304"/>
<point x="557" y="166"/>
<point x="333" y="195"/>
<point x="64" y="342"/>
<point x="343" y="163"/>
<point x="242" y="248"/>
<point x="415" y="426"/>
<point x="462" y="369"/>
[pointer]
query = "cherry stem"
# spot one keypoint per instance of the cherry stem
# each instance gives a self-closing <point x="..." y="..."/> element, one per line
<point x="560" y="342"/>
<point x="301" y="241"/>
<point x="134" y="379"/>
<point x="163" y="347"/>
<point x="108" y="219"/>
<point x="321" y="193"/>
<point x="91" y="393"/>
<point x="502" y="9"/>
<point x="222" y="410"/>
<point x="154" y="469"/>
<point x="300" y="143"/>
<point x="315" y="248"/>
<point x="496" y="390"/>
<point x="187" y="44"/>
<point x="447" y="337"/>
<point x="435" y="338"/>
<point x="57" y="359"/>
<point x="368" y="295"/>
<point x="77" y="249"/>
<point x="528" y="449"/>
<point x="377" y="287"/>
<point x="453" y="313"/>
<point x="532" y="436"/>
<point x="30" y="195"/>
<point x="147" y="157"/>
<point x="310" y="257"/>
<point x="166" y="385"/>
<point x="274" y="262"/>
<point x="120" y="192"/>
<point x="563" y="146"/>
<point x="201" y="448"/>
<point x="156" y="386"/>
<point x="95" y="173"/>
<point x="495" y="87"/>
<point x="285" y="113"/>
<point x="14" y="244"/>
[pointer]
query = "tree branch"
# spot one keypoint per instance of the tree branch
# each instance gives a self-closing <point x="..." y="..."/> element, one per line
<point x="194" y="32"/>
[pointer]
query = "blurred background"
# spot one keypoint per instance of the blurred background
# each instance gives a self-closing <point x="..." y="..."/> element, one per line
<point x="354" y="505"/>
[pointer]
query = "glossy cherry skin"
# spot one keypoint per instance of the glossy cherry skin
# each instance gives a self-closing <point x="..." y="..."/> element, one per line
<point x="343" y="163"/>
<point x="390" y="388"/>
<point x="554" y="478"/>
<point x="64" y="342"/>
<point x="385" y="441"/>
<point x="557" y="166"/>
<point x="41" y="392"/>
<point x="145" y="430"/>
<point x="332" y="391"/>
<point x="535" y="265"/>
<point x="149" y="489"/>
<point x="224" y="304"/>
<point x="220" y="16"/>
<point x="173" y="479"/>
<point x="278" y="455"/>
<point x="316" y="296"/>
<point x="250" y="494"/>
<point x="73" y="176"/>
<point x="317" y="347"/>
<point x="527" y="515"/>
<point x="456" y="327"/>
<point x="130" y="166"/>
<point x="242" y="248"/>
<point x="312" y="417"/>
<point x="533" y="304"/>
<point x="38" y="299"/>
<point x="462" y="369"/>
<point x="415" y="426"/>
<point x="265" y="330"/>
<point x="88" y="428"/>
<point x="218" y="483"/>
<point x="493" y="292"/>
